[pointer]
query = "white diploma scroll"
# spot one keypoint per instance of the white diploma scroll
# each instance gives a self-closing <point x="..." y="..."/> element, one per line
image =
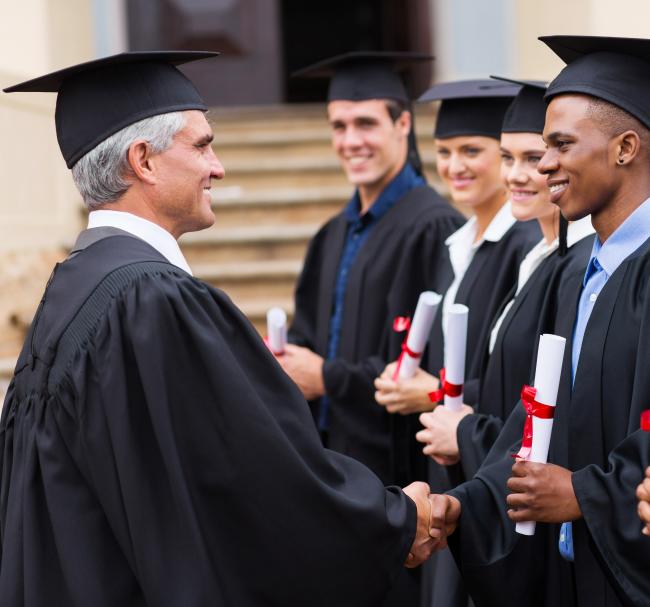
<point x="276" y="330"/>
<point x="418" y="335"/>
<point x="547" y="380"/>
<point x="455" y="348"/>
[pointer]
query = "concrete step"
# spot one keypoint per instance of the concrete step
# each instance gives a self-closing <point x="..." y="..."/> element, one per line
<point x="319" y="161"/>
<point x="256" y="309"/>
<point x="247" y="243"/>
<point x="252" y="279"/>
<point x="234" y="205"/>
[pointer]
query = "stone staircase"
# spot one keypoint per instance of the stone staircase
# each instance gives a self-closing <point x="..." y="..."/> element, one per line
<point x="282" y="182"/>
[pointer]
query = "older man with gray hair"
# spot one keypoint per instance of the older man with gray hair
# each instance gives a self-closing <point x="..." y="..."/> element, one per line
<point x="152" y="451"/>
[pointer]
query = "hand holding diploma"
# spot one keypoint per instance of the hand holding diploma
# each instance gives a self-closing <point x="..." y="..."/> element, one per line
<point x="405" y="396"/>
<point x="440" y="433"/>
<point x="403" y="387"/>
<point x="541" y="492"/>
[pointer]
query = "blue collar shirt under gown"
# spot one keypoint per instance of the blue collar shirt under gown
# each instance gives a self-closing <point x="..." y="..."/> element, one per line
<point x="359" y="228"/>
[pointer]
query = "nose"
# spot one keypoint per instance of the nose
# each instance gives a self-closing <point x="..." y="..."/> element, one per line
<point x="548" y="163"/>
<point x="516" y="174"/>
<point x="351" y="138"/>
<point x="456" y="164"/>
<point x="216" y="168"/>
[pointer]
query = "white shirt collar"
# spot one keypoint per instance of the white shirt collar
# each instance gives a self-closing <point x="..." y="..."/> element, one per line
<point x="154" y="235"/>
<point x="578" y="230"/>
<point x="495" y="231"/>
<point x="500" y="224"/>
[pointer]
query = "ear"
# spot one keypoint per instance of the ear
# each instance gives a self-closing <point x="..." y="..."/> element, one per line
<point x="627" y="147"/>
<point x="139" y="159"/>
<point x="404" y="122"/>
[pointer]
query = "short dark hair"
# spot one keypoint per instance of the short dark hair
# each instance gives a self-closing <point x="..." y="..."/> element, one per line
<point x="396" y="108"/>
<point x="614" y="120"/>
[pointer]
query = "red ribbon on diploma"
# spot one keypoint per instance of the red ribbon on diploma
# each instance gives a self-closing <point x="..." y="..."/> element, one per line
<point x="267" y="342"/>
<point x="401" y="324"/>
<point x="645" y="420"/>
<point x="533" y="409"/>
<point x="446" y="389"/>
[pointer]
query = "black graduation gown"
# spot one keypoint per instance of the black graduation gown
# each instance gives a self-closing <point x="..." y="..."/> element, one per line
<point x="404" y="255"/>
<point x="511" y="363"/>
<point x="595" y="434"/>
<point x="488" y="280"/>
<point x="153" y="452"/>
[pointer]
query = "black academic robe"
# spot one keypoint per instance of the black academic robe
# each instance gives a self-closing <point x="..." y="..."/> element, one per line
<point x="153" y="452"/>
<point x="488" y="280"/>
<point x="596" y="435"/>
<point x="486" y="284"/>
<point x="404" y="255"/>
<point x="511" y="363"/>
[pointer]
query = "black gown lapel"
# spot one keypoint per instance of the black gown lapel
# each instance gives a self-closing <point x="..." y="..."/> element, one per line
<point x="335" y="241"/>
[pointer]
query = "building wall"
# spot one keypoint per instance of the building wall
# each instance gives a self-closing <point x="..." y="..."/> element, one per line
<point x="475" y="38"/>
<point x="39" y="207"/>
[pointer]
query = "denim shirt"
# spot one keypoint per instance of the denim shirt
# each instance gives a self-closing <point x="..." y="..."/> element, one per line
<point x="359" y="228"/>
<point x="605" y="259"/>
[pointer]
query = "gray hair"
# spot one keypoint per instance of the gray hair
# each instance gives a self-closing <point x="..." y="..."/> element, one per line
<point x="101" y="175"/>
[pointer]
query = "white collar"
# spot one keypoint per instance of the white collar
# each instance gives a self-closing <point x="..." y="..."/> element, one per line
<point x="577" y="230"/>
<point x="500" y="224"/>
<point x="154" y="235"/>
<point x="495" y="231"/>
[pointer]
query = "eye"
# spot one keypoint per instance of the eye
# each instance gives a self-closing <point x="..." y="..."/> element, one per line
<point x="507" y="159"/>
<point x="562" y="144"/>
<point x="366" y="124"/>
<point x="534" y="160"/>
<point x="442" y="152"/>
<point x="471" y="151"/>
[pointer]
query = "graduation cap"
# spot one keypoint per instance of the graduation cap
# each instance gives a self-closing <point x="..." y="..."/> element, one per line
<point x="471" y="107"/>
<point x="527" y="111"/>
<point x="98" y="98"/>
<point x="616" y="70"/>
<point x="362" y="75"/>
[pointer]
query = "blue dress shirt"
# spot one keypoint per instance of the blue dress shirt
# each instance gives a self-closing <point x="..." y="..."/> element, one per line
<point x="359" y="228"/>
<point x="605" y="259"/>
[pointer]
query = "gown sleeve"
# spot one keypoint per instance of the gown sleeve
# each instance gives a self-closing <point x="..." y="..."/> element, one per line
<point x="608" y="503"/>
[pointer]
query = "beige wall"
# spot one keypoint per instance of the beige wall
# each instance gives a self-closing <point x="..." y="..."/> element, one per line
<point x="510" y="45"/>
<point x="39" y="207"/>
<point x="629" y="18"/>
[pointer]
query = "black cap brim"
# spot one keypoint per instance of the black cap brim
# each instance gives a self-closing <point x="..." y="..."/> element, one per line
<point x="362" y="75"/>
<point x="98" y="98"/>
<point x="51" y="83"/>
<point x="616" y="70"/>
<point x="470" y="107"/>
<point x="527" y="112"/>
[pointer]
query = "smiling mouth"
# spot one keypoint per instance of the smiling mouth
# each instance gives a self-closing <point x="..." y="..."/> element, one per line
<point x="461" y="183"/>
<point x="521" y="194"/>
<point x="557" y="189"/>
<point x="356" y="160"/>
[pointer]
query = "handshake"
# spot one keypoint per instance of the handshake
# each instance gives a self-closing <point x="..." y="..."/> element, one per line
<point x="437" y="519"/>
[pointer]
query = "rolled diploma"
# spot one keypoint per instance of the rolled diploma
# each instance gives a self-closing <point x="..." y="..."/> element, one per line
<point x="425" y="312"/>
<point x="547" y="380"/>
<point x="276" y="330"/>
<point x="455" y="347"/>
